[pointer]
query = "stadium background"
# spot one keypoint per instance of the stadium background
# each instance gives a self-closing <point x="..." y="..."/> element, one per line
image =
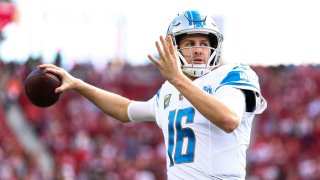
<point x="73" y="139"/>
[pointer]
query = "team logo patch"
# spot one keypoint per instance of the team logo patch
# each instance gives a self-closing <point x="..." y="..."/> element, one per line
<point x="166" y="101"/>
<point x="208" y="89"/>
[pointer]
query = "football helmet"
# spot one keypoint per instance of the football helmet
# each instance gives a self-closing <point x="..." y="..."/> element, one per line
<point x="194" y="22"/>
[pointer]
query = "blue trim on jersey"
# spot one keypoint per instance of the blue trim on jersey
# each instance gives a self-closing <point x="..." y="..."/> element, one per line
<point x="237" y="85"/>
<point x="158" y="97"/>
<point x="242" y="67"/>
<point x="241" y="76"/>
<point x="195" y="19"/>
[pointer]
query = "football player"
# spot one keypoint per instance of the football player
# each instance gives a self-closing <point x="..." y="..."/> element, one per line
<point x="205" y="109"/>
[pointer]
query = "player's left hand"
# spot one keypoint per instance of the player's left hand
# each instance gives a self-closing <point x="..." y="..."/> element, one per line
<point x="168" y="63"/>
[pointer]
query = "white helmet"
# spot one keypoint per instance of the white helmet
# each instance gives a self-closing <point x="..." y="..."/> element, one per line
<point x="194" y="22"/>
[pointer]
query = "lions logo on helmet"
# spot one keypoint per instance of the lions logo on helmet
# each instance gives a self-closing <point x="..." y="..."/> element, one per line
<point x="193" y="22"/>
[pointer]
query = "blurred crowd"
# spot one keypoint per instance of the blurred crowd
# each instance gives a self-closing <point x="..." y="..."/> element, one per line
<point x="285" y="141"/>
<point x="86" y="144"/>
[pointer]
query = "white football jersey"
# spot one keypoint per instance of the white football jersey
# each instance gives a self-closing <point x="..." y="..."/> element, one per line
<point x="196" y="148"/>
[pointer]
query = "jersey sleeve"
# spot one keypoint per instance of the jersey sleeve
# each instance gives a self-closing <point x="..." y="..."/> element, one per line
<point x="142" y="110"/>
<point x="234" y="99"/>
<point x="244" y="78"/>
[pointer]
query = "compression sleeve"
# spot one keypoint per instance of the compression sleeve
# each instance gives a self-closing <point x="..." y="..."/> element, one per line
<point x="141" y="111"/>
<point x="233" y="98"/>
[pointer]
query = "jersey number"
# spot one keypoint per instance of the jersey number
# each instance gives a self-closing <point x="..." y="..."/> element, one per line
<point x="181" y="149"/>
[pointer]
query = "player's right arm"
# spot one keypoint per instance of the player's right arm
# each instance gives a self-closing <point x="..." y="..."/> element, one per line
<point x="110" y="103"/>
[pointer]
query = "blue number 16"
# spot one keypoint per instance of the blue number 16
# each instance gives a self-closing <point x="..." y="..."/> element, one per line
<point x="175" y="146"/>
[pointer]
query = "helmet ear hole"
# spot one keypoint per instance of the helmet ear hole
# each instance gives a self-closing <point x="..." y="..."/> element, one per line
<point x="178" y="38"/>
<point x="213" y="41"/>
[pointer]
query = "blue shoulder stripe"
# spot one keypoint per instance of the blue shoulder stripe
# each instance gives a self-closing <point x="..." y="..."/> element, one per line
<point x="241" y="76"/>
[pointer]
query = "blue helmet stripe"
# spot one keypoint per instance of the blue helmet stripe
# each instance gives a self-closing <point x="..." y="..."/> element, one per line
<point x="195" y="19"/>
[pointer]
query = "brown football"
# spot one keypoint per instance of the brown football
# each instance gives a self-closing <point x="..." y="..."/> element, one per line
<point x="39" y="88"/>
